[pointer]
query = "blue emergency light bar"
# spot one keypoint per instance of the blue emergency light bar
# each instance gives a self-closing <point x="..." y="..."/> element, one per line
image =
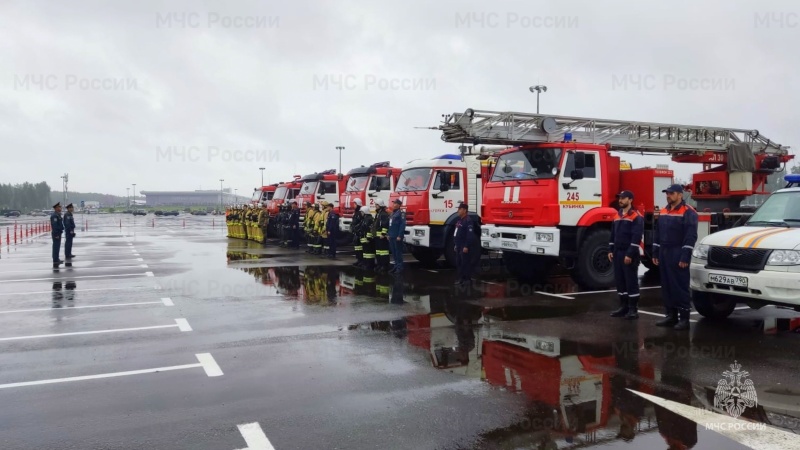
<point x="453" y="157"/>
<point x="792" y="180"/>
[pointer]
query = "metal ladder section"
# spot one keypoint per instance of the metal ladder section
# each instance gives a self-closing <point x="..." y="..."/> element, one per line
<point x="514" y="128"/>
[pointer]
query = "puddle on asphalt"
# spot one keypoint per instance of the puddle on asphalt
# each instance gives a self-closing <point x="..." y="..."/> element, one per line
<point x="576" y="388"/>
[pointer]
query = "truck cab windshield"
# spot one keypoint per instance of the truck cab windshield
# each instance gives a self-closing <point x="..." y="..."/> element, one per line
<point x="527" y="164"/>
<point x="309" y="188"/>
<point x="414" y="180"/>
<point x="357" y="184"/>
<point x="280" y="193"/>
<point x="780" y="209"/>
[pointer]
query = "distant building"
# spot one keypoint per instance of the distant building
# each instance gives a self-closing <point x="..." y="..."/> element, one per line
<point x="206" y="198"/>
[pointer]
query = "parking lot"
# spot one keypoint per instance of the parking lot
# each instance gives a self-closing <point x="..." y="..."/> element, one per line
<point x="164" y="333"/>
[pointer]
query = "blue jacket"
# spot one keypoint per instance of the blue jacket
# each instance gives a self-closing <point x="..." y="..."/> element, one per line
<point x="627" y="232"/>
<point x="69" y="223"/>
<point x="676" y="228"/>
<point x="332" y="225"/>
<point x="465" y="233"/>
<point x="56" y="224"/>
<point x="397" y="224"/>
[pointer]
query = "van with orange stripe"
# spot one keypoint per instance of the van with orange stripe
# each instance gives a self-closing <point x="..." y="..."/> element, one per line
<point x="757" y="264"/>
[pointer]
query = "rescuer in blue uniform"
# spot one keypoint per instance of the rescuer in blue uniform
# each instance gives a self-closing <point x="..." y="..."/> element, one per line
<point x="673" y="241"/>
<point x="397" y="232"/>
<point x="69" y="232"/>
<point x="623" y="251"/>
<point x="294" y="225"/>
<point x="463" y="239"/>
<point x="56" y="230"/>
<point x="332" y="227"/>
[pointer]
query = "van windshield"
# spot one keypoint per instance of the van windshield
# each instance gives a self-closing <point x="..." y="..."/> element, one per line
<point x="779" y="209"/>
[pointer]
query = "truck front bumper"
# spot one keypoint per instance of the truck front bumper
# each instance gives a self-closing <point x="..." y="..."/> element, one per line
<point x="344" y="224"/>
<point x="419" y="235"/>
<point x="779" y="284"/>
<point x="534" y="241"/>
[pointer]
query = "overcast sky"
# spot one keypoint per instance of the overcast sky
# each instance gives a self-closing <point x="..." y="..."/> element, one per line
<point x="168" y="95"/>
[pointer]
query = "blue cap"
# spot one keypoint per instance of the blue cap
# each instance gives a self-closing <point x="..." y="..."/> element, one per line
<point x="463" y="205"/>
<point x="625" y="194"/>
<point x="674" y="188"/>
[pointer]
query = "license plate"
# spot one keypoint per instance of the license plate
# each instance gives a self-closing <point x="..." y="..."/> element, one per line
<point x="727" y="279"/>
<point x="509" y="244"/>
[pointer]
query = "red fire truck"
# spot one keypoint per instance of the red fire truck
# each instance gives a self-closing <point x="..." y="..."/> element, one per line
<point x="262" y="196"/>
<point x="322" y="186"/>
<point x="283" y="192"/>
<point x="368" y="184"/>
<point x="551" y="197"/>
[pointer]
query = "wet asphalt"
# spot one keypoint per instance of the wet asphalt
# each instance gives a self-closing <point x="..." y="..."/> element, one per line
<point x="103" y="354"/>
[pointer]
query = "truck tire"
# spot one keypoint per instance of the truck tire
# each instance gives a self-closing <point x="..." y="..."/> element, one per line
<point x="527" y="267"/>
<point x="713" y="306"/>
<point x="425" y="255"/>
<point x="592" y="268"/>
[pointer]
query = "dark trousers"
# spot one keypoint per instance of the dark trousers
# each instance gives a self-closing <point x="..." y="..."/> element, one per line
<point x="396" y="250"/>
<point x="332" y="235"/>
<point x="382" y="253"/>
<point x="56" y="247"/>
<point x="674" y="280"/>
<point x="358" y="247"/>
<point x="68" y="245"/>
<point x="464" y="264"/>
<point x="626" y="275"/>
<point x="369" y="252"/>
<point x="295" y="242"/>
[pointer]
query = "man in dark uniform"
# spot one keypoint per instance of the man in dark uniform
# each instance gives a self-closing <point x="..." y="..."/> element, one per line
<point x="673" y="242"/>
<point x="623" y="251"/>
<point x="397" y="232"/>
<point x="294" y="226"/>
<point x="380" y="229"/>
<point x="69" y="231"/>
<point x="56" y="230"/>
<point x="355" y="229"/>
<point x="332" y="227"/>
<point x="464" y="237"/>
<point x="366" y="239"/>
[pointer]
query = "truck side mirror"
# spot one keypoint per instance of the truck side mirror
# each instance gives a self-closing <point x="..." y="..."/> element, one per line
<point x="444" y="181"/>
<point x="576" y="174"/>
<point x="580" y="160"/>
<point x="322" y="188"/>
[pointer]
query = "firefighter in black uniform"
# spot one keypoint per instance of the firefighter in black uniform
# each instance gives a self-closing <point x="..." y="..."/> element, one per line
<point x="623" y="251"/>
<point x="463" y="240"/>
<point x="380" y="232"/>
<point x="332" y="228"/>
<point x="367" y="243"/>
<point x="294" y="225"/>
<point x="355" y="229"/>
<point x="673" y="242"/>
<point x="283" y="220"/>
<point x="69" y="231"/>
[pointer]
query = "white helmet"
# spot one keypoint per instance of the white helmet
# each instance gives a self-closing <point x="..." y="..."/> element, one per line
<point x="357" y="201"/>
<point x="380" y="202"/>
<point x="365" y="210"/>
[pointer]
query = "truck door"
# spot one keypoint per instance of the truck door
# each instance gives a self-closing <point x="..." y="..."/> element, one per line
<point x="444" y="202"/>
<point x="581" y="194"/>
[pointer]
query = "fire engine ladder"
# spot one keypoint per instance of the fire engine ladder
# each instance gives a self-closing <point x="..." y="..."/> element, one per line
<point x="513" y="128"/>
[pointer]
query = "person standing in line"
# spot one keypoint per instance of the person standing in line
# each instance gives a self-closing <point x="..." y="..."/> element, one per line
<point x="56" y="230"/>
<point x="294" y="226"/>
<point x="380" y="230"/>
<point x="332" y="228"/>
<point x="366" y="239"/>
<point x="623" y="251"/>
<point x="464" y="236"/>
<point x="397" y="232"/>
<point x="355" y="230"/>
<point x="673" y="242"/>
<point x="69" y="231"/>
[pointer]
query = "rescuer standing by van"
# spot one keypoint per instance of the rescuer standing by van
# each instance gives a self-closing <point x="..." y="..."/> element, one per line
<point x="673" y="241"/>
<point x="626" y="234"/>
<point x="463" y="239"/>
<point x="397" y="232"/>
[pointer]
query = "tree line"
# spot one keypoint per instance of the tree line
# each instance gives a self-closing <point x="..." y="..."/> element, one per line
<point x="25" y="197"/>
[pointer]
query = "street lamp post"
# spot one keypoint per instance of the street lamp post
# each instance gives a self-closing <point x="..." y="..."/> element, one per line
<point x="134" y="194"/>
<point x="128" y="196"/>
<point x="262" y="174"/>
<point x="220" y="193"/>
<point x="235" y="196"/>
<point x="340" y="158"/>
<point x="538" y="89"/>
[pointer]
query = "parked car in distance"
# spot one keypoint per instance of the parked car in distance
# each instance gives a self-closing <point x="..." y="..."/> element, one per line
<point x="13" y="214"/>
<point x="170" y="213"/>
<point x="139" y="212"/>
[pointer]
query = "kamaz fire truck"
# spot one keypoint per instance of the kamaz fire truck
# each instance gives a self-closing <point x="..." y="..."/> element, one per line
<point x="283" y="192"/>
<point x="322" y="186"/>
<point x="368" y="184"/>
<point x="262" y="196"/>
<point x="551" y="197"/>
<point x="431" y="190"/>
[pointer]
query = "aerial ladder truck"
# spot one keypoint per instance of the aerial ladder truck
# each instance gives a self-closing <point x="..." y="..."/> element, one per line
<point x="550" y="196"/>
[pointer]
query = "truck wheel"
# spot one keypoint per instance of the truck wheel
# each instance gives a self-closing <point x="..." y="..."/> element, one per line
<point x="592" y="269"/>
<point x="425" y="255"/>
<point x="527" y="267"/>
<point x="713" y="306"/>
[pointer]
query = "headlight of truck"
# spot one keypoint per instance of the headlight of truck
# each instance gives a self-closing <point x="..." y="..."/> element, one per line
<point x="544" y="237"/>
<point x="701" y="251"/>
<point x="419" y="233"/>
<point x="485" y="232"/>
<point x="784" y="258"/>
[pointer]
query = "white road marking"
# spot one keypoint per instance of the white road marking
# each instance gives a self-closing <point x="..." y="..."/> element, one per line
<point x="84" y="290"/>
<point x="733" y="428"/>
<point x="82" y="307"/>
<point x="205" y="361"/>
<point x="492" y="282"/>
<point x="167" y="301"/>
<point x="432" y="271"/>
<point x="209" y="364"/>
<point x="659" y="315"/>
<point x="180" y="325"/>
<point x="555" y="295"/>
<point x="144" y="266"/>
<point x="255" y="437"/>
<point x="140" y="259"/>
<point x="149" y="274"/>
<point x="136" y="254"/>
<point x="735" y="309"/>
<point x="643" y="288"/>
<point x="183" y="325"/>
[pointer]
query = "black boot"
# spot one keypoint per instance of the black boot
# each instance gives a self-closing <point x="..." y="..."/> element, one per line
<point x="623" y="307"/>
<point x="633" y="310"/>
<point x="683" y="321"/>
<point x="670" y="320"/>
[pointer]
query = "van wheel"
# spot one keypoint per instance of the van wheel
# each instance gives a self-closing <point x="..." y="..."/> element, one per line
<point x="713" y="306"/>
<point x="426" y="255"/>
<point x="592" y="269"/>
